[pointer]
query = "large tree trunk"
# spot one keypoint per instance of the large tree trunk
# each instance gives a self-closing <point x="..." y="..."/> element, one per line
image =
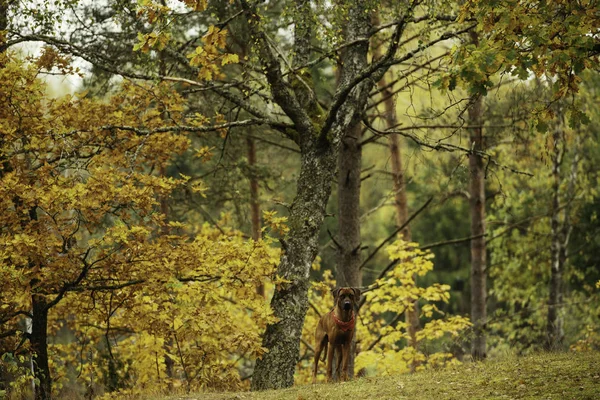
<point x="39" y="344"/>
<point x="348" y="238"/>
<point x="290" y="303"/>
<point x="478" y="245"/>
<point x="319" y="137"/>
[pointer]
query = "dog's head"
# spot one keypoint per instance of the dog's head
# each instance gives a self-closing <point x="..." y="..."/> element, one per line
<point x="346" y="297"/>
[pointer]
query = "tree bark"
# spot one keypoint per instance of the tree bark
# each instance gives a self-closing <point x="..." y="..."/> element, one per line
<point x="561" y="232"/>
<point x="478" y="244"/>
<point x="3" y="15"/>
<point x="254" y="205"/>
<point x="319" y="147"/>
<point x="348" y="237"/>
<point x="39" y="344"/>
<point x="554" y="332"/>
<point x="349" y="182"/>
<point x="401" y="205"/>
<point x="276" y="368"/>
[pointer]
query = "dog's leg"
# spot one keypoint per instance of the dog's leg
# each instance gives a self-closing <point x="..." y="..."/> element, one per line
<point x="317" y="355"/>
<point x="331" y="350"/>
<point x="338" y="357"/>
<point x="345" y="358"/>
<point x="320" y="346"/>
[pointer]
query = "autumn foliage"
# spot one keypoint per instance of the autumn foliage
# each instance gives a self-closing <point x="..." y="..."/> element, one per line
<point x="148" y="303"/>
<point x="382" y="333"/>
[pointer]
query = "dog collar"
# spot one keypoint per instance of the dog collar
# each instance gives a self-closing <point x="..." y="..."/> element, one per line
<point x="344" y="326"/>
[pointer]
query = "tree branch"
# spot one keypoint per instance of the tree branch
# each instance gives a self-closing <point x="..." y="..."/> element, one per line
<point x="378" y="68"/>
<point x="390" y="237"/>
<point x="444" y="146"/>
<point x="282" y="93"/>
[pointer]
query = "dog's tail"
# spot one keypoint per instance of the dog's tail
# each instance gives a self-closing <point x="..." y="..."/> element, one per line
<point x="325" y="350"/>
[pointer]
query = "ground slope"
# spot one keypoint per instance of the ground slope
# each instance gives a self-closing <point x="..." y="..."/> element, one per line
<point x="540" y="376"/>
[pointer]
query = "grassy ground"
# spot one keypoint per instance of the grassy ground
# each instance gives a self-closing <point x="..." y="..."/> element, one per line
<point x="541" y="376"/>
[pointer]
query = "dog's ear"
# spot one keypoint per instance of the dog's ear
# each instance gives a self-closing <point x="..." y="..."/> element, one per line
<point x="356" y="292"/>
<point x="335" y="292"/>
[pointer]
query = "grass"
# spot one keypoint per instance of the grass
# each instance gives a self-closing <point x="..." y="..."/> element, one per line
<point x="540" y="376"/>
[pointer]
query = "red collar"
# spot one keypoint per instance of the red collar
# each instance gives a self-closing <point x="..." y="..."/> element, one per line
<point x="345" y="326"/>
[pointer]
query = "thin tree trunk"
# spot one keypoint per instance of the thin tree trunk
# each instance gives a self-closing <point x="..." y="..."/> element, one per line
<point x="478" y="245"/>
<point x="561" y="232"/>
<point x="400" y="200"/>
<point x="39" y="344"/>
<point x="254" y="204"/>
<point x="348" y="238"/>
<point x="401" y="204"/>
<point x="164" y="209"/>
<point x="554" y="322"/>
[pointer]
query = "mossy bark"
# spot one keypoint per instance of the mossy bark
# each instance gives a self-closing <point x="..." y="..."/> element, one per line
<point x="290" y="303"/>
<point x="319" y="149"/>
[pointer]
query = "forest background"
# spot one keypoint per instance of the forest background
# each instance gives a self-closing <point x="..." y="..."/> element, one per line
<point x="177" y="220"/>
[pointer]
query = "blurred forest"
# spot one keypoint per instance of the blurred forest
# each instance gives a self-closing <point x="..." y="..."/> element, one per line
<point x="185" y="182"/>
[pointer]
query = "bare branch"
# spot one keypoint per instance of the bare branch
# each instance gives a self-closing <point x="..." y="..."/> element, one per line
<point x="445" y="146"/>
<point x="378" y="68"/>
<point x="452" y="241"/>
<point x="390" y="237"/>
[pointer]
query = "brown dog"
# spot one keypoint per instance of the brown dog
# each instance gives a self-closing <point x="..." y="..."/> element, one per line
<point x="336" y="329"/>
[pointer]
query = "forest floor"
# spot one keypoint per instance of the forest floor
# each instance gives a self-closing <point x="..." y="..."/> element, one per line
<point x="539" y="376"/>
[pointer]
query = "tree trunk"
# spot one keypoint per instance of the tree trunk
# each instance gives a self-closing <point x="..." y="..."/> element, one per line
<point x="401" y="204"/>
<point x="349" y="164"/>
<point x="254" y="205"/>
<point x="478" y="245"/>
<point x="561" y="232"/>
<point x="348" y="238"/>
<point x="3" y="16"/>
<point x="290" y="302"/>
<point x="319" y="137"/>
<point x="400" y="200"/>
<point x="554" y="330"/>
<point x="39" y="344"/>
